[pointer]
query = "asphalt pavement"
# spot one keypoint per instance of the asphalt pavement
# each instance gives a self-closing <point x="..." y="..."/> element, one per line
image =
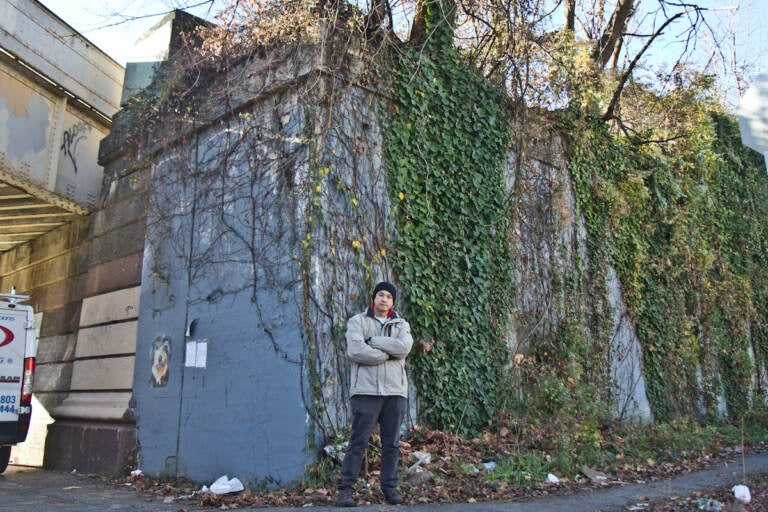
<point x="25" y="489"/>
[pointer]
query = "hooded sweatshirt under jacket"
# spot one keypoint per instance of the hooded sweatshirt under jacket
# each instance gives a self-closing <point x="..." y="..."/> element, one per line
<point x="377" y="354"/>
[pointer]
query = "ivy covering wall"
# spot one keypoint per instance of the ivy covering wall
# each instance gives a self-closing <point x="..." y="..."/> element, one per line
<point x="445" y="145"/>
<point x="686" y="232"/>
<point x="683" y="224"/>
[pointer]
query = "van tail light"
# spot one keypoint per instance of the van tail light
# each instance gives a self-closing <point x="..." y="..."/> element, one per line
<point x="26" y="382"/>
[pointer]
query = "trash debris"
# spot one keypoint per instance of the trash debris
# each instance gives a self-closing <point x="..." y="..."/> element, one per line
<point x="594" y="475"/>
<point x="417" y="476"/>
<point x="225" y="486"/>
<point x="552" y="479"/>
<point x="136" y="473"/>
<point x="189" y="496"/>
<point x="524" y="475"/>
<point x="741" y="493"/>
<point x="638" y="506"/>
<point x="336" y="451"/>
<point x="709" y="505"/>
<point x="489" y="466"/>
<point x="420" y="458"/>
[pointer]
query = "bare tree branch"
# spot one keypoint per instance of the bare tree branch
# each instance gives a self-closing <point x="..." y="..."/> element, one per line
<point x="628" y="71"/>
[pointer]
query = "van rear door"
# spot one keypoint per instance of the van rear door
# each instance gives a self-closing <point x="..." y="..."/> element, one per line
<point x="18" y="347"/>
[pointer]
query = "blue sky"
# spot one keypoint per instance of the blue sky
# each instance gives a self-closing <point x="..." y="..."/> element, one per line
<point x="110" y="24"/>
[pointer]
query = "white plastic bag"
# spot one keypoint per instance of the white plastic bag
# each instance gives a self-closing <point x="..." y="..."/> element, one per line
<point x="224" y="485"/>
<point x="741" y="493"/>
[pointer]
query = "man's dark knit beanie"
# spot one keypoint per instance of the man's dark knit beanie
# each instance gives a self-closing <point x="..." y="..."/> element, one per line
<point x="385" y="286"/>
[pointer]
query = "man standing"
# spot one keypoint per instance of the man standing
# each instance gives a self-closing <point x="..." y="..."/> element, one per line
<point x="378" y="342"/>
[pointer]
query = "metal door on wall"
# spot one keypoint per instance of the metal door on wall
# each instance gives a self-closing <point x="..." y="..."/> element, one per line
<point x="222" y="387"/>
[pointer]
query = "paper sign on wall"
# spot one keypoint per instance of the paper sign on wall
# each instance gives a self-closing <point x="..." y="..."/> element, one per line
<point x="197" y="354"/>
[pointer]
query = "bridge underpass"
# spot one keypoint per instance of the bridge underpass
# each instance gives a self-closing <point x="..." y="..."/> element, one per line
<point x="28" y="211"/>
<point x="58" y="93"/>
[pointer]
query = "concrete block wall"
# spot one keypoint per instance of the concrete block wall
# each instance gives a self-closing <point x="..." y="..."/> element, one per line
<point x="83" y="281"/>
<point x="50" y="270"/>
<point x="102" y="372"/>
<point x="94" y="430"/>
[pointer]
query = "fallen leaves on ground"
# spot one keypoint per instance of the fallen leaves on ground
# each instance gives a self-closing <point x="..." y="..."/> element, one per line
<point x="461" y="477"/>
<point x="720" y="498"/>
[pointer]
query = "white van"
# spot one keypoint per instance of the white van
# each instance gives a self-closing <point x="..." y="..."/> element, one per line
<point x="18" y="348"/>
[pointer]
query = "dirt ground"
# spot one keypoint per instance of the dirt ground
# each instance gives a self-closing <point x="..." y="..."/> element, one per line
<point x="460" y="476"/>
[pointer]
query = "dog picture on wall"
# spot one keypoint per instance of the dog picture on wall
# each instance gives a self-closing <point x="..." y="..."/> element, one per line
<point x="160" y="353"/>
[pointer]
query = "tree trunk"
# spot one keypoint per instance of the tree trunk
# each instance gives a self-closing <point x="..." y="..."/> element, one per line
<point x="380" y="11"/>
<point x="609" y="41"/>
<point x="427" y="9"/>
<point x="419" y="27"/>
<point x="569" y="9"/>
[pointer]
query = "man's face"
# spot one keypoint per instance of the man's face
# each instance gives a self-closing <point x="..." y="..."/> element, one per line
<point x="382" y="303"/>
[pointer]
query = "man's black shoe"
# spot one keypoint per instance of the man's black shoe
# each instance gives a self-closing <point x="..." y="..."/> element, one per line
<point x="346" y="498"/>
<point x="392" y="495"/>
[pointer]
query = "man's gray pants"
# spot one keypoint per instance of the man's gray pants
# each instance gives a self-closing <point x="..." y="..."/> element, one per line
<point x="367" y="411"/>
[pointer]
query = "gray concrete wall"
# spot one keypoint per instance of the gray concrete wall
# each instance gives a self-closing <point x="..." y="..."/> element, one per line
<point x="225" y="221"/>
<point x="553" y="275"/>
